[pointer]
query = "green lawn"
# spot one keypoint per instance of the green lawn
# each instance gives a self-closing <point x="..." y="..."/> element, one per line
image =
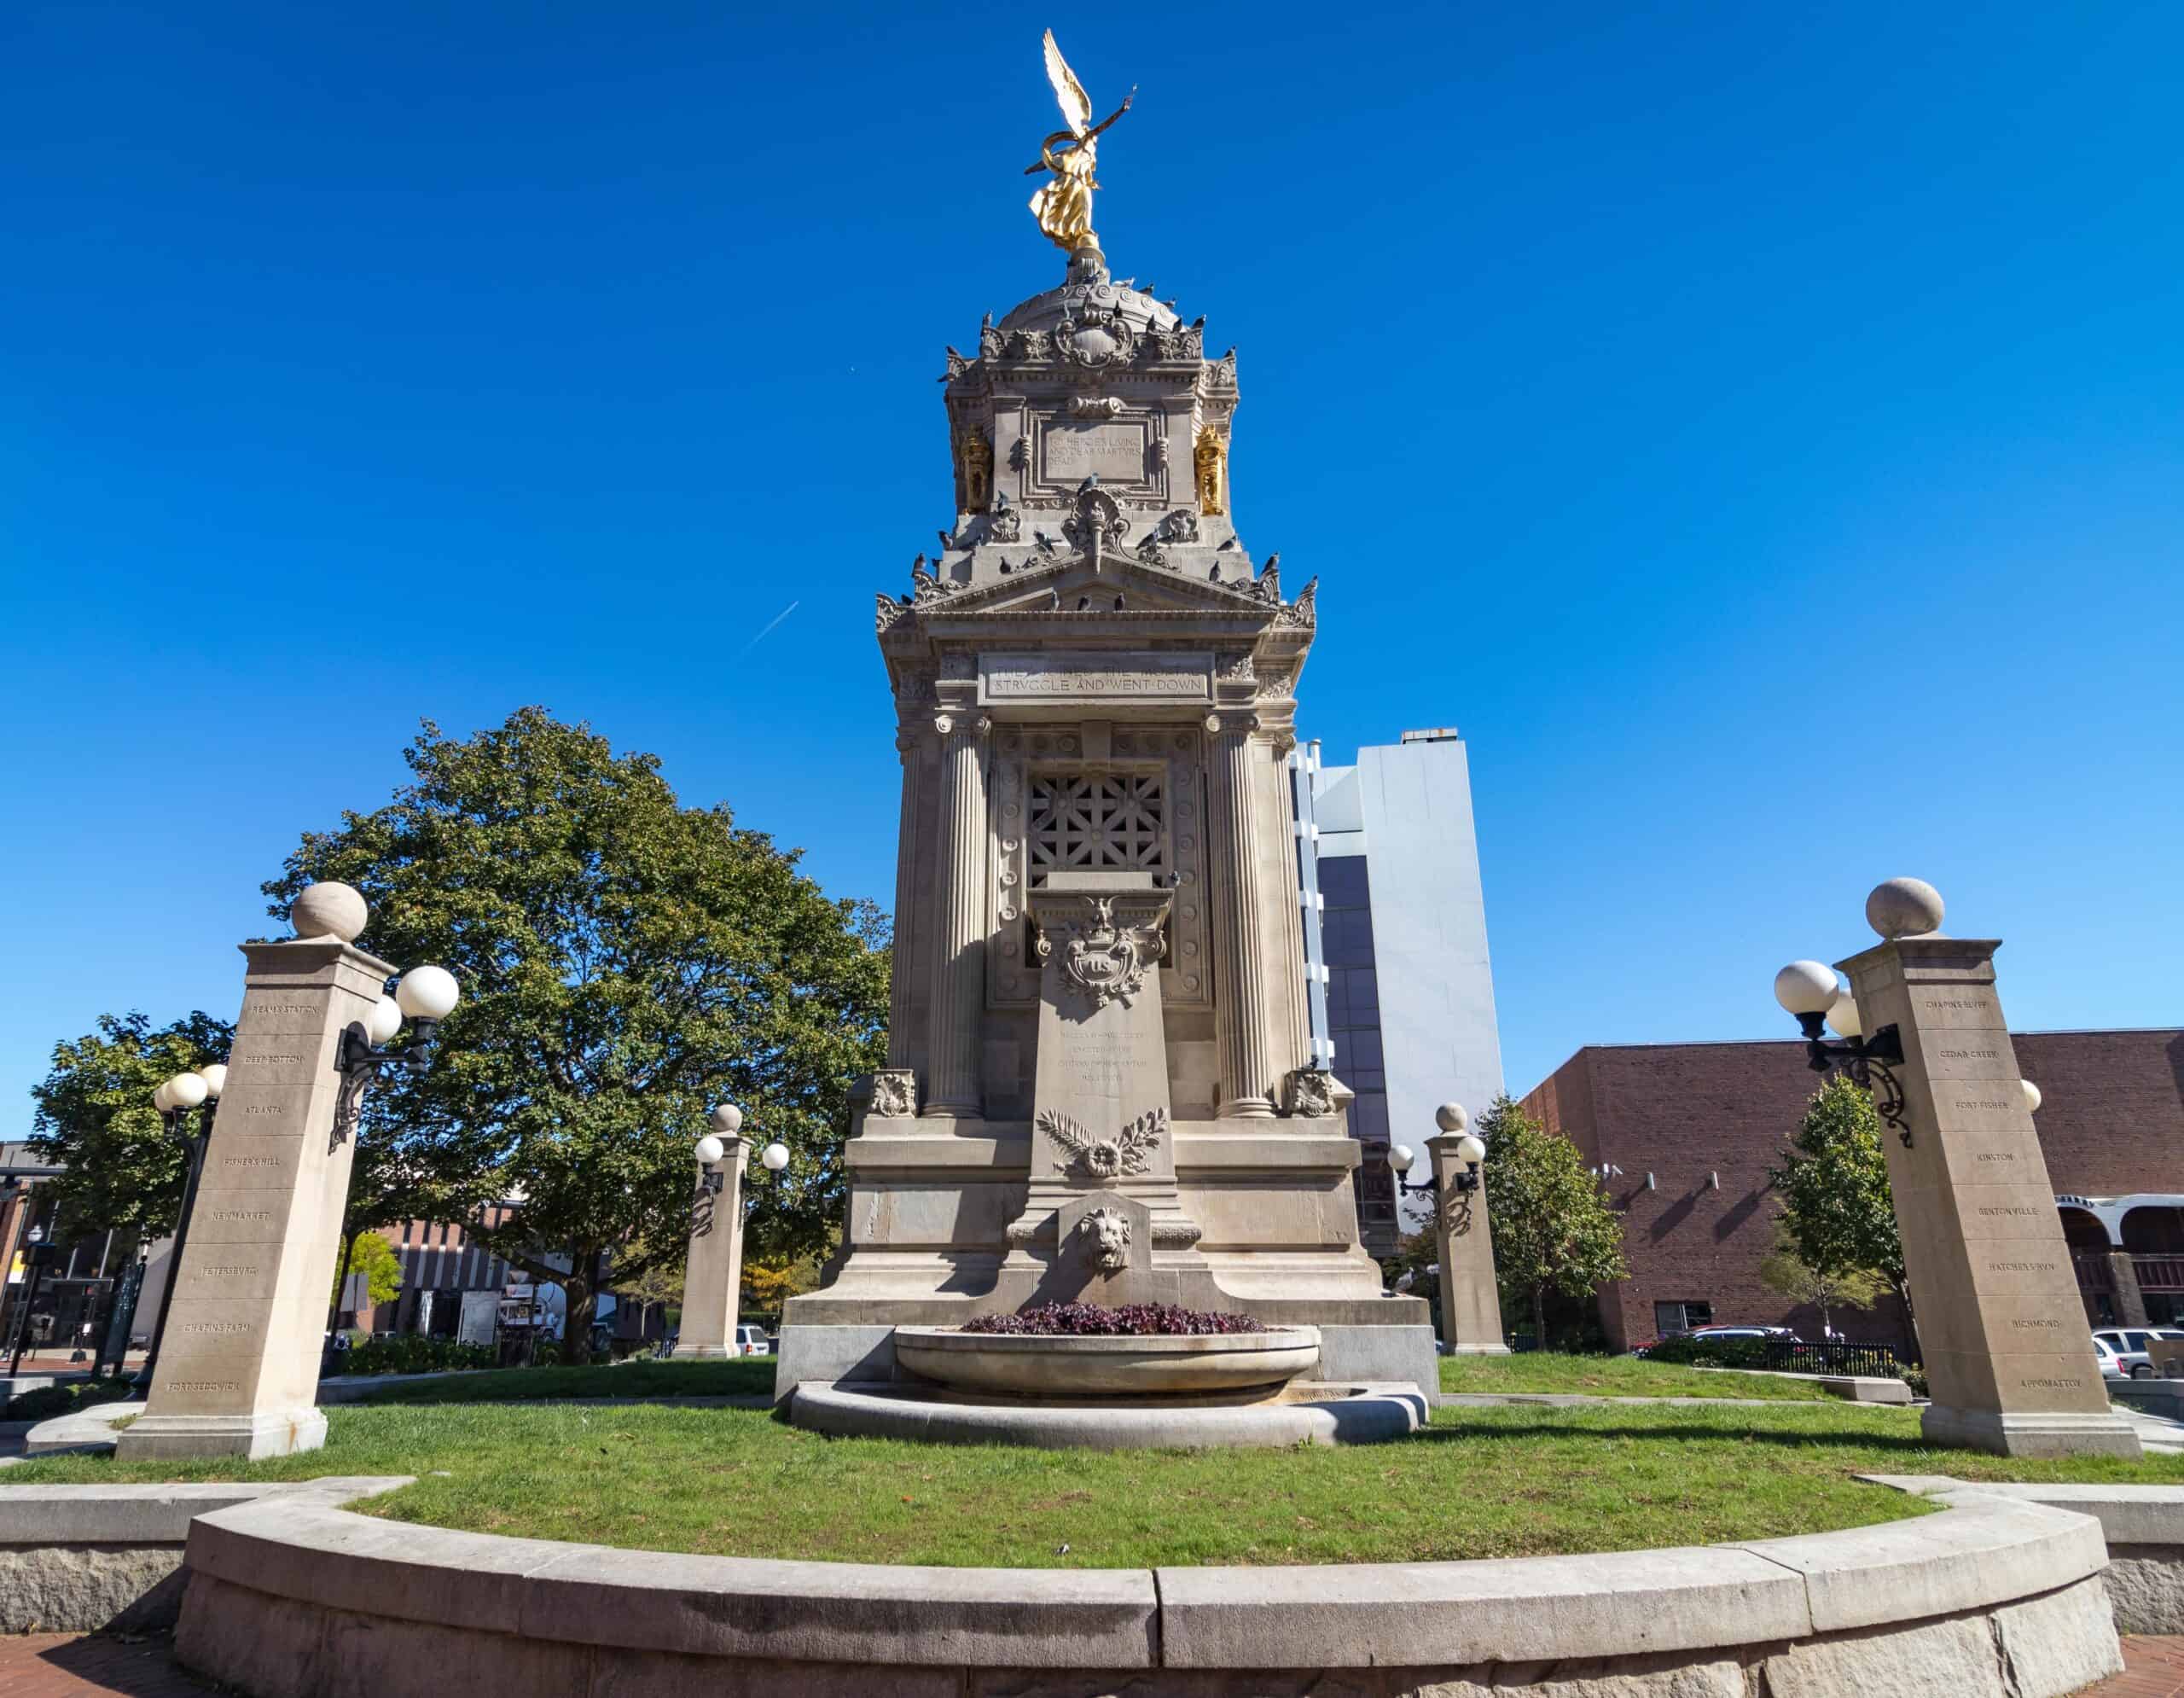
<point x="1616" y="1376"/>
<point x="1479" y="1482"/>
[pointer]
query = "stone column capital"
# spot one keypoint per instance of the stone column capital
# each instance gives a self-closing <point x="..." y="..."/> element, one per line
<point x="974" y="725"/>
<point x="1239" y="723"/>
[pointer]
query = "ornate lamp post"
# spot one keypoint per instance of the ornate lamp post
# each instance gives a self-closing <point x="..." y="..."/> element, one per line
<point x="35" y="1253"/>
<point x="1991" y="1280"/>
<point x="711" y="1284"/>
<point x="177" y="1100"/>
<point x="1471" y="1302"/>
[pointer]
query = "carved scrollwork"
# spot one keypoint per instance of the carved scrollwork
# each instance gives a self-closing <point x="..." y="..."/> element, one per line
<point x="1095" y="406"/>
<point x="894" y="1093"/>
<point x="1105" y="959"/>
<point x="1302" y="611"/>
<point x="1005" y="523"/>
<point x="1311" y="1093"/>
<point x="925" y="586"/>
<point x="890" y="614"/>
<point x="1094" y="513"/>
<point x="988" y="338"/>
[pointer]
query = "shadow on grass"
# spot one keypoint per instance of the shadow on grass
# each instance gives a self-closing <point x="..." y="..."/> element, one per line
<point x="1788" y="1439"/>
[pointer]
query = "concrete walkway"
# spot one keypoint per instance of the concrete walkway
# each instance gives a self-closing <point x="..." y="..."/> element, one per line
<point x="1583" y="1399"/>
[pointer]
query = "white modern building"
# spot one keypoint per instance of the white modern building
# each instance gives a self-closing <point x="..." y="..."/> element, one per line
<point x="1395" y="921"/>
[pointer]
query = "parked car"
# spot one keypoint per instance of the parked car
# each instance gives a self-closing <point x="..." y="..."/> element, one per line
<point x="2104" y="1354"/>
<point x="752" y="1341"/>
<point x="2127" y="1346"/>
<point x="1786" y="1334"/>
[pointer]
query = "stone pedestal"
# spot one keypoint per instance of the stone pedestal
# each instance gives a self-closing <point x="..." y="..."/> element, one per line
<point x="2008" y="1354"/>
<point x="238" y="1368"/>
<point x="712" y="1282"/>
<point x="1471" y="1302"/>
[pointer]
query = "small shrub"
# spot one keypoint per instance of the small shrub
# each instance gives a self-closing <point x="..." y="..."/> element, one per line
<point x="1708" y="1352"/>
<point x="49" y="1401"/>
<point x="412" y="1353"/>
<point x="1093" y="1320"/>
<point x="1915" y="1378"/>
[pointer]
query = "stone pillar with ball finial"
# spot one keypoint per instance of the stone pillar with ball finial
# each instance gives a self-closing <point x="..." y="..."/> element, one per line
<point x="1471" y="1301"/>
<point x="238" y="1366"/>
<point x="712" y="1281"/>
<point x="2009" y="1359"/>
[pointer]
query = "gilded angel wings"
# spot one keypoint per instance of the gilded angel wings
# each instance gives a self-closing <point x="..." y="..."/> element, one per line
<point x="1069" y="93"/>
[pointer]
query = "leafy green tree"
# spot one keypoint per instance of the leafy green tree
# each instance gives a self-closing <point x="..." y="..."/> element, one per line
<point x="1787" y="1272"/>
<point x="625" y="962"/>
<point x="94" y="1116"/>
<point x="371" y="1255"/>
<point x="1838" y="1214"/>
<point x="1554" y="1228"/>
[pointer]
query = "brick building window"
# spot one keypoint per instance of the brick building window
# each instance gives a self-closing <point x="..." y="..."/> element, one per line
<point x="1098" y="820"/>
<point x="1682" y="1317"/>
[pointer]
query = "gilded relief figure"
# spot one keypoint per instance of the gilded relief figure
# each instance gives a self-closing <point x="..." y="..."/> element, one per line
<point x="1064" y="206"/>
<point x="1211" y="456"/>
<point x="976" y="474"/>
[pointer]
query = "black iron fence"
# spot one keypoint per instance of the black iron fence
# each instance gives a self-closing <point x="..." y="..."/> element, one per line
<point x="1835" y="1356"/>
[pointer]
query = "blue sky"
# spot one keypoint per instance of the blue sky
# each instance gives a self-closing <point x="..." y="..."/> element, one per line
<point x="1757" y="427"/>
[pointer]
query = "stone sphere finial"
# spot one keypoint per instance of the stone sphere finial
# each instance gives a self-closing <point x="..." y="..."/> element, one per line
<point x="1904" y="908"/>
<point x="329" y="910"/>
<point x="1451" y="1118"/>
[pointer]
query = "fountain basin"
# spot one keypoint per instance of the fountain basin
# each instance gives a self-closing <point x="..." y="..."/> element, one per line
<point x="1058" y="1365"/>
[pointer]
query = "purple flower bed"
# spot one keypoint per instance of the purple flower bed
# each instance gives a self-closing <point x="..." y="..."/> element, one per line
<point x="1090" y="1320"/>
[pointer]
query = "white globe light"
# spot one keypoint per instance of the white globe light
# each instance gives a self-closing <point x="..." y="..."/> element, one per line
<point x="1470" y="1149"/>
<point x="2031" y="1096"/>
<point x="1451" y="1118"/>
<point x="775" y="1156"/>
<point x="711" y="1150"/>
<point x="162" y="1098"/>
<point x="1844" y="1016"/>
<point x="728" y="1119"/>
<point x="215" y="1075"/>
<point x="1401" y="1156"/>
<point x="382" y="1019"/>
<point x="186" y="1090"/>
<point x="1806" y="987"/>
<point x="427" y="993"/>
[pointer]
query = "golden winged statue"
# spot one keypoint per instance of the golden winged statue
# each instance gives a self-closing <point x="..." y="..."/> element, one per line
<point x="1064" y="206"/>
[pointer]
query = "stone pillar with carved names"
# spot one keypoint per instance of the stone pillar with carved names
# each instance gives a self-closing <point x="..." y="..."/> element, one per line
<point x="238" y="1366"/>
<point x="959" y="943"/>
<point x="1471" y="1301"/>
<point x="2008" y="1355"/>
<point x="1246" y="1066"/>
<point x="713" y="1278"/>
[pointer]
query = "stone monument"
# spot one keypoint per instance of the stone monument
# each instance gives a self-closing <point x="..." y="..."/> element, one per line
<point x="713" y="1278"/>
<point x="1099" y="1081"/>
<point x="1471" y="1301"/>
<point x="2009" y="1357"/>
<point x="238" y="1364"/>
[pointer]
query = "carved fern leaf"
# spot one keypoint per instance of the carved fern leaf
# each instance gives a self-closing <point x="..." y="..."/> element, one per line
<point x="1065" y="1132"/>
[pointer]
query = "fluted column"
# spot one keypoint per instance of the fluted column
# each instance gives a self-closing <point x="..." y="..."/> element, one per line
<point x="959" y="941"/>
<point x="1240" y="1035"/>
<point x="899" y="998"/>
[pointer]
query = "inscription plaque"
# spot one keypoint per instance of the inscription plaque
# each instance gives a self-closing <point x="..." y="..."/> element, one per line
<point x="1072" y="452"/>
<point x="1062" y="676"/>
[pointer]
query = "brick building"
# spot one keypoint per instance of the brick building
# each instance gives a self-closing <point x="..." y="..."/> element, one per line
<point x="1687" y="1132"/>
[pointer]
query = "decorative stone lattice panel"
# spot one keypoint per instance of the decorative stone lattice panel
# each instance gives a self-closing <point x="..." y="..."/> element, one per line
<point x="1098" y="821"/>
<point x="1167" y="805"/>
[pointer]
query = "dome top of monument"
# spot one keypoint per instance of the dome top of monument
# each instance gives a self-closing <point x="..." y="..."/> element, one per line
<point x="1088" y="291"/>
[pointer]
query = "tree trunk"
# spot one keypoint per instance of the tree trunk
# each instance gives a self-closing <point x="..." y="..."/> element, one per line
<point x="581" y="1288"/>
<point x="1539" y="1317"/>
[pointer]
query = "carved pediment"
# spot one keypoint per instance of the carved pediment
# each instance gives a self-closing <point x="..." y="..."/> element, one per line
<point x="1060" y="586"/>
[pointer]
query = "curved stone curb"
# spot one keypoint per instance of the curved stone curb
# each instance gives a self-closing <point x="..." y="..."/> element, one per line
<point x="2143" y="1526"/>
<point x="83" y="1558"/>
<point x="851" y="1412"/>
<point x="289" y="1592"/>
